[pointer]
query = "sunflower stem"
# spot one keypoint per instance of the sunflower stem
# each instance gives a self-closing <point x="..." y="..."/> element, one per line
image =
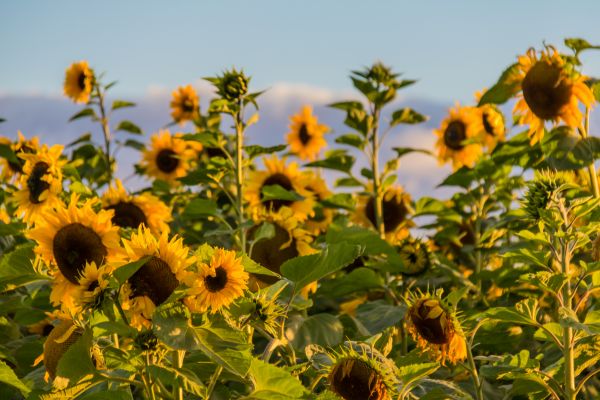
<point x="239" y="173"/>
<point x="567" y="343"/>
<point x="213" y="381"/>
<point x="106" y="132"/>
<point x="178" y="356"/>
<point x="591" y="167"/>
<point x="375" y="168"/>
<point x="474" y="375"/>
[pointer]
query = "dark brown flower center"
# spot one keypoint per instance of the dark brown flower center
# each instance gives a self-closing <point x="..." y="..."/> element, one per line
<point x="154" y="280"/>
<point x="545" y="91"/>
<point x="218" y="282"/>
<point x="455" y="134"/>
<point x="394" y="212"/>
<point x="73" y="246"/>
<point x="416" y="259"/>
<point x="354" y="379"/>
<point x="214" y="152"/>
<point x="268" y="252"/>
<point x="187" y="105"/>
<point x="35" y="184"/>
<point x="127" y="215"/>
<point x="281" y="180"/>
<point x="434" y="330"/>
<point x="81" y="80"/>
<point x="489" y="129"/>
<point x="167" y="161"/>
<point x="304" y="135"/>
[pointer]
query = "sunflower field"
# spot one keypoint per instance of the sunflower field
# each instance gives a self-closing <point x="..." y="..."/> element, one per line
<point x="240" y="271"/>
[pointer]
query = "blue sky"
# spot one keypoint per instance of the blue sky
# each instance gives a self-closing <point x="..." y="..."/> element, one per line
<point x="453" y="47"/>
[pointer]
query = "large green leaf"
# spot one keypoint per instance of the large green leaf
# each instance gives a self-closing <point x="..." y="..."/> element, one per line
<point x="375" y="316"/>
<point x="76" y="362"/>
<point x="274" y="383"/>
<point x="8" y="376"/>
<point x="170" y="323"/>
<point x="320" y="329"/>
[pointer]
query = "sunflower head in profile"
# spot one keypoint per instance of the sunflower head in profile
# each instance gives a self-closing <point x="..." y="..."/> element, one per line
<point x="40" y="184"/>
<point x="323" y="216"/>
<point x="459" y="137"/>
<point x="168" y="158"/>
<point x="396" y="209"/>
<point x="288" y="177"/>
<point x="415" y="256"/>
<point x="63" y="336"/>
<point x="185" y="104"/>
<point x="132" y="211"/>
<point x="69" y="238"/>
<point x="306" y="134"/>
<point x="79" y="82"/>
<point x="12" y="169"/>
<point x="435" y="327"/>
<point x="360" y="372"/>
<point x="154" y="282"/>
<point x="288" y="241"/>
<point x="219" y="280"/>
<point x="549" y="91"/>
<point x="492" y="121"/>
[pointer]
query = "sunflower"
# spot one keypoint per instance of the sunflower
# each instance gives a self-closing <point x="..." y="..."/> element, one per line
<point x="287" y="177"/>
<point x="436" y="329"/>
<point x="415" y="256"/>
<point x="492" y="121"/>
<point x="185" y="104"/>
<point x="288" y="241"/>
<point x="63" y="336"/>
<point x="79" y="82"/>
<point x="131" y="211"/>
<point x="459" y="137"/>
<point x="157" y="279"/>
<point x="12" y="169"/>
<point x="323" y="215"/>
<point x="219" y="281"/>
<point x="40" y="183"/>
<point x="306" y="134"/>
<point x="68" y="238"/>
<point x="549" y="91"/>
<point x="168" y="159"/>
<point x="86" y="293"/>
<point x="395" y="208"/>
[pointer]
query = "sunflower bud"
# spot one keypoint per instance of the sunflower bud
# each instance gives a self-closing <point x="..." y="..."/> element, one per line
<point x="415" y="257"/>
<point x="233" y="85"/>
<point x="381" y="74"/>
<point x="146" y="340"/>
<point x="540" y="192"/>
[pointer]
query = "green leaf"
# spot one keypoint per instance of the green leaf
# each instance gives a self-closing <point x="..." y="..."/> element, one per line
<point x="125" y="272"/>
<point x="402" y="151"/>
<point x="255" y="150"/>
<point x="273" y="383"/>
<point x="320" y="329"/>
<point x="372" y="242"/>
<point x="81" y="139"/>
<point x="503" y="90"/>
<point x="170" y="323"/>
<point x="76" y="362"/>
<point x="128" y="126"/>
<point x="8" y="376"/>
<point x="578" y="45"/>
<point x="347" y="105"/>
<point x="18" y="261"/>
<point x="339" y="200"/>
<point x="407" y="116"/>
<point x="306" y="269"/>
<point x="121" y="104"/>
<point x="199" y="208"/>
<point x="351" y="140"/>
<point x="276" y="192"/>
<point x="253" y="267"/>
<point x="360" y="279"/>
<point x="185" y="379"/>
<point x="413" y="372"/>
<point x="348" y="182"/>
<point x="509" y="315"/>
<point x="113" y="394"/>
<point x="375" y="316"/>
<point x="85" y="113"/>
<point x="342" y="163"/>
<point x="7" y="153"/>
<point x="134" y="144"/>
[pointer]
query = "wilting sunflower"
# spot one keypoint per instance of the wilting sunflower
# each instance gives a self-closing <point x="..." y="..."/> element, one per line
<point x="168" y="158"/>
<point x="549" y="91"/>
<point x="132" y="211"/>
<point x="459" y="137"/>
<point x="415" y="256"/>
<point x="40" y="183"/>
<point x="71" y="237"/>
<point x="12" y="169"/>
<point x="219" y="281"/>
<point x="323" y="215"/>
<point x="185" y="104"/>
<point x="492" y="121"/>
<point x="286" y="176"/>
<point x="396" y="211"/>
<point x="288" y="241"/>
<point x="360" y="372"/>
<point x="79" y="82"/>
<point x="157" y="279"/>
<point x="435" y="328"/>
<point x="306" y="134"/>
<point x="63" y="336"/>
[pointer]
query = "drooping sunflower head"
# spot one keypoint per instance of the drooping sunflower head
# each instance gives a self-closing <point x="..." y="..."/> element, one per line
<point x="459" y="137"/>
<point x="288" y="177"/>
<point x="63" y="336"/>
<point x="185" y="104"/>
<point x="549" y="91"/>
<point x="220" y="280"/>
<point x="435" y="328"/>
<point x="323" y="215"/>
<point x="415" y="256"/>
<point x="14" y="168"/>
<point x="79" y="82"/>
<point x="492" y="121"/>
<point x="70" y="237"/>
<point x="305" y="136"/>
<point x="132" y="211"/>
<point x="154" y="282"/>
<point x="168" y="158"/>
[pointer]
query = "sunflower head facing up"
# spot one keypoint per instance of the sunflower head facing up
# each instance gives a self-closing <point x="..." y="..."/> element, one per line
<point x="185" y="104"/>
<point x="132" y="211"/>
<point x="435" y="328"/>
<point x="306" y="134"/>
<point x="14" y="168"/>
<point x="220" y="280"/>
<point x="323" y="216"/>
<point x="459" y="137"/>
<point x="415" y="256"/>
<point x="68" y="238"/>
<point x="549" y="91"/>
<point x="40" y="183"/>
<point x="79" y="82"/>
<point x="168" y="158"/>
<point x="287" y="177"/>
<point x="154" y="282"/>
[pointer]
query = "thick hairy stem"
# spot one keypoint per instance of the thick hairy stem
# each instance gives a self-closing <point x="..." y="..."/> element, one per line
<point x="106" y="132"/>
<point x="377" y="194"/>
<point x="568" y="351"/>
<point x="474" y="375"/>
<point x="213" y="381"/>
<point x="239" y="175"/>
<point x="178" y="356"/>
<point x="592" y="167"/>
